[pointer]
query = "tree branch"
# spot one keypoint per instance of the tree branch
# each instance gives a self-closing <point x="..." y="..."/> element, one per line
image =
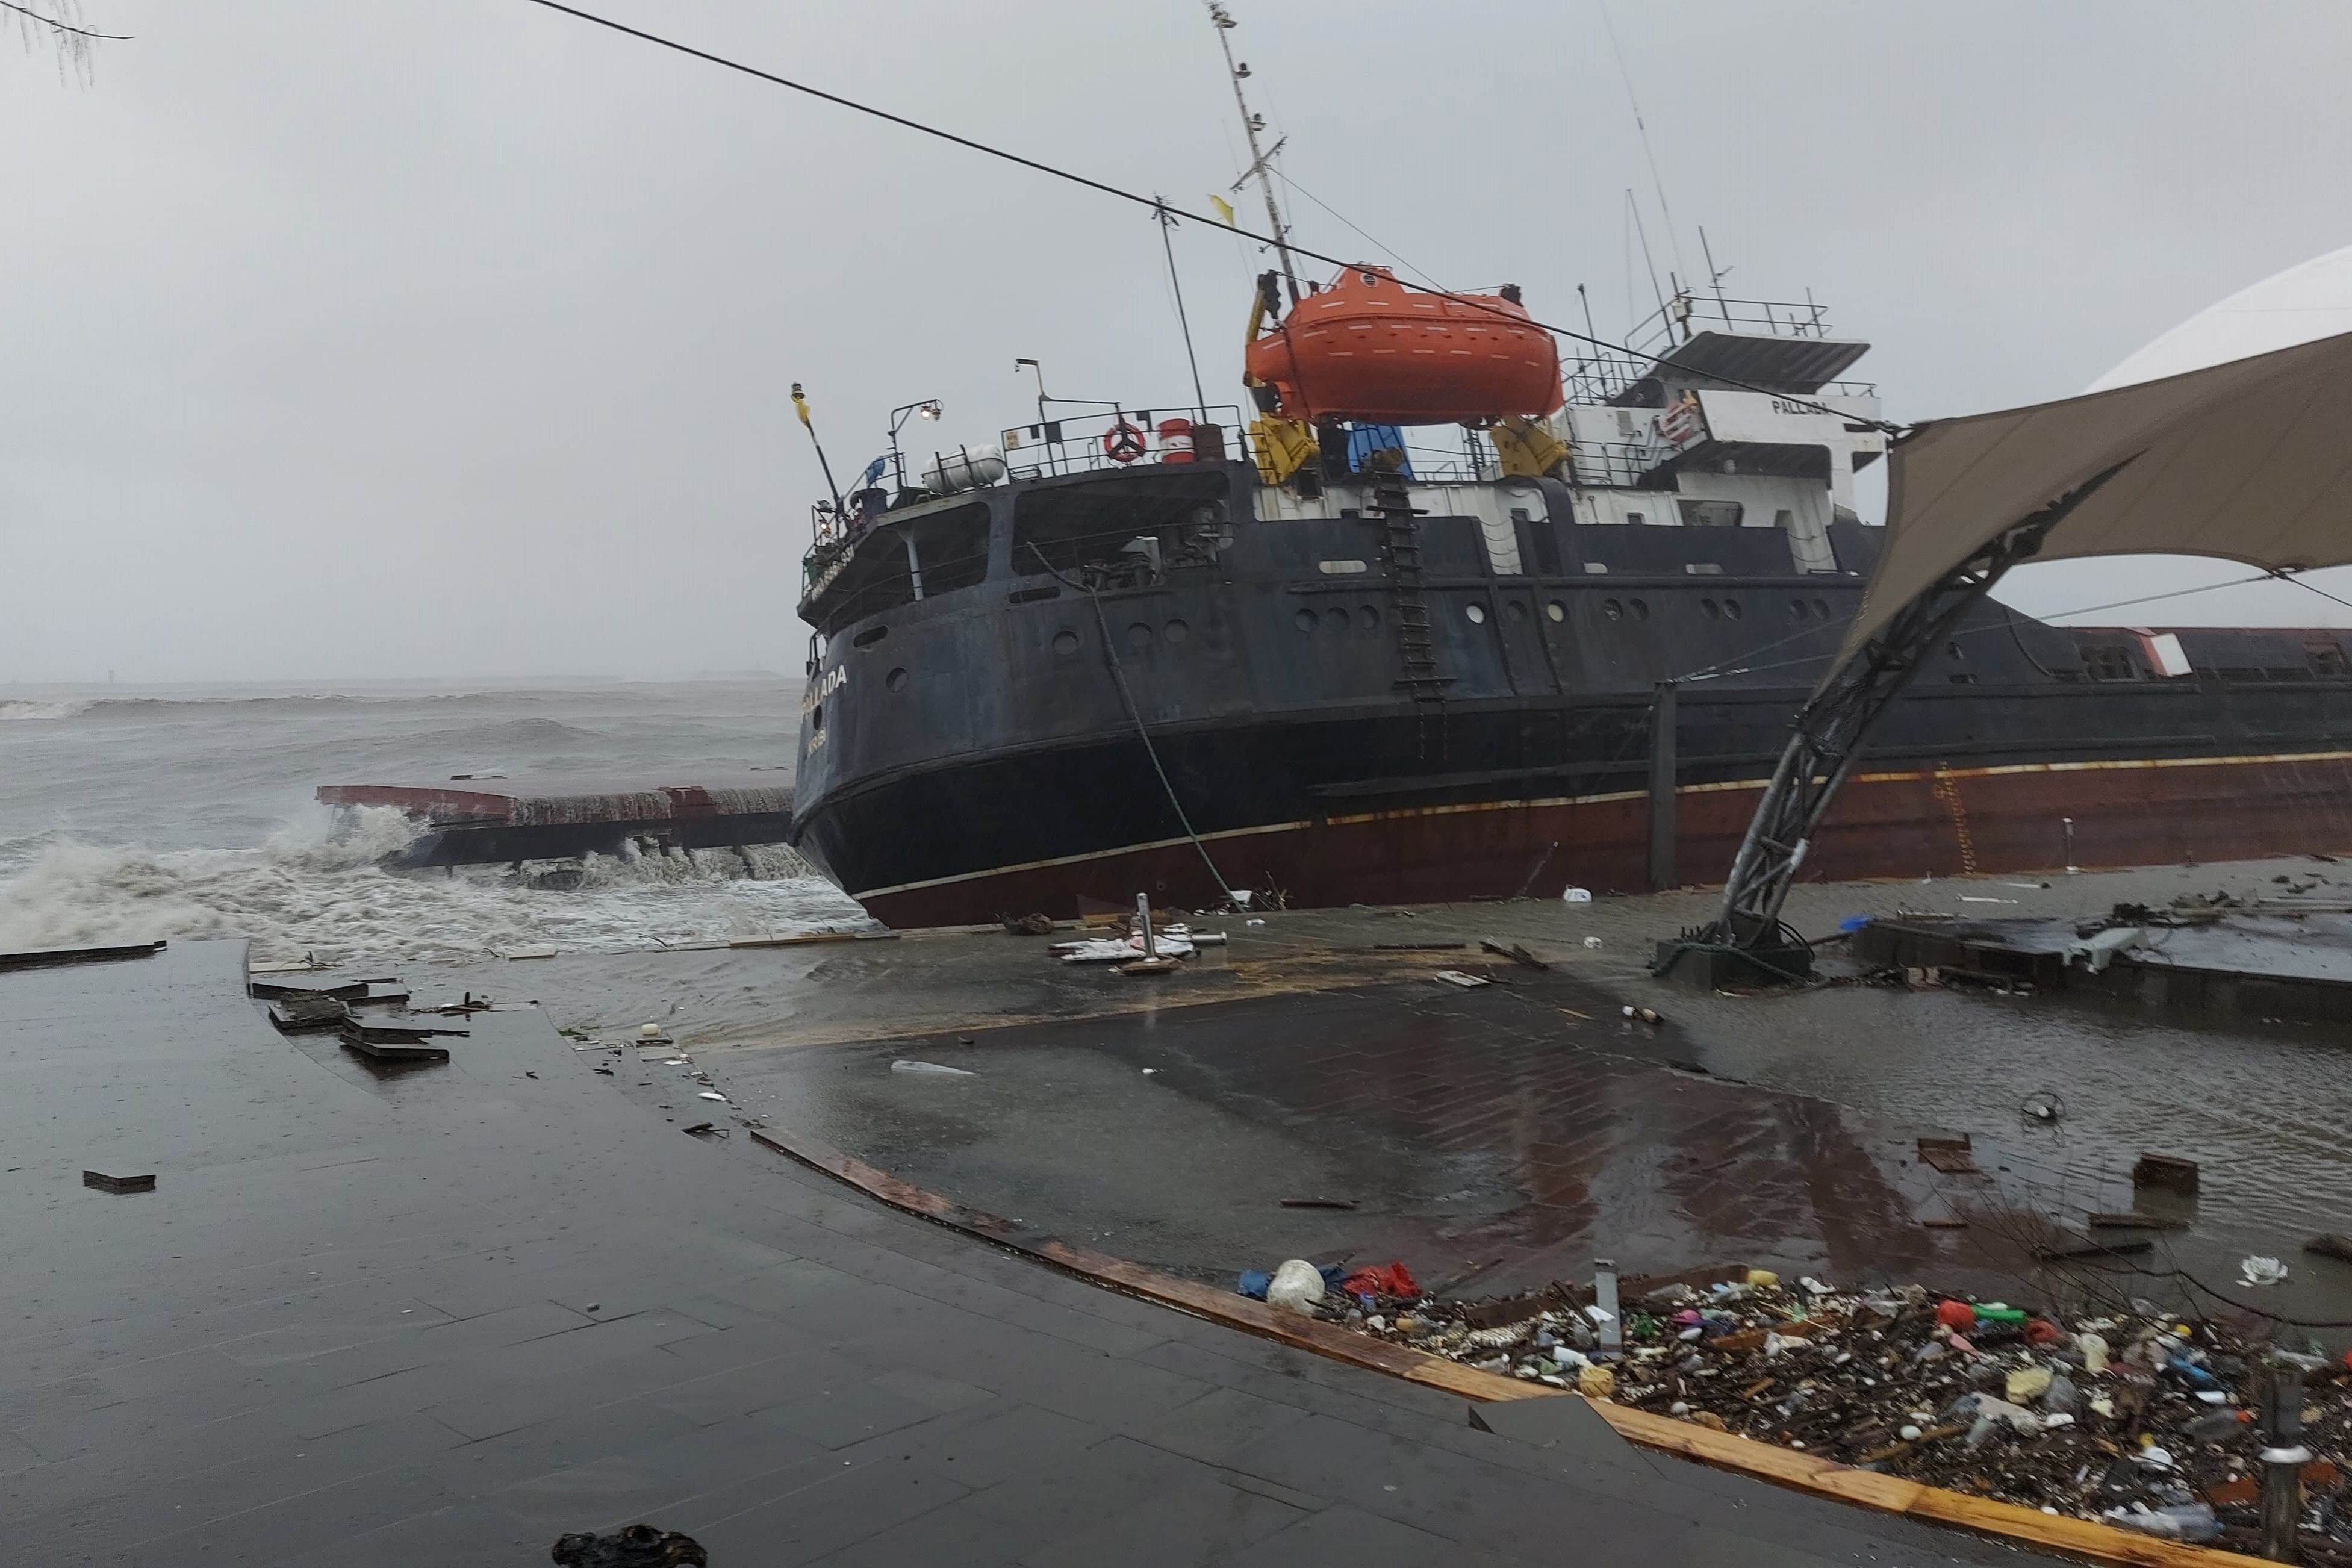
<point x="51" y="22"/>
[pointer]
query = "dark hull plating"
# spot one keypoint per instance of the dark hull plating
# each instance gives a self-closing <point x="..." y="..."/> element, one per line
<point x="978" y="752"/>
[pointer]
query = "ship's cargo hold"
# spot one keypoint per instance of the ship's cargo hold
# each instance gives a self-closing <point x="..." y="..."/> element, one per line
<point x="1367" y="348"/>
<point x="966" y="469"/>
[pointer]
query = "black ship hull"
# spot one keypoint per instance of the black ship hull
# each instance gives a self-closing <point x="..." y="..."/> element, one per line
<point x="1236" y="715"/>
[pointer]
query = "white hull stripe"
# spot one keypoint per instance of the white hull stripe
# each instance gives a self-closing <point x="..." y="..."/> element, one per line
<point x="1608" y="798"/>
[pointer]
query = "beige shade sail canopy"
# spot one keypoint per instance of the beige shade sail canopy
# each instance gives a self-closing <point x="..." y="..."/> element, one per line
<point x="2250" y="461"/>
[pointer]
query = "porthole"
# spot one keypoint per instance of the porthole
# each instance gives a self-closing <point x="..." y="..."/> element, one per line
<point x="1797" y="608"/>
<point x="1556" y="610"/>
<point x="1177" y="631"/>
<point x="1710" y="609"/>
<point x="869" y="636"/>
<point x="1641" y="608"/>
<point x="816" y="719"/>
<point x="1368" y="619"/>
<point x="1822" y="609"/>
<point x="1306" y="620"/>
<point x="1336" y="620"/>
<point x="1138" y="636"/>
<point x="1516" y="610"/>
<point x="1612" y="609"/>
<point x="1477" y="614"/>
<point x="1731" y="610"/>
<point x="897" y="680"/>
<point x="1065" y="643"/>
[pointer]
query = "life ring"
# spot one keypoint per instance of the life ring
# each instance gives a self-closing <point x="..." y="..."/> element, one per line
<point x="1123" y="442"/>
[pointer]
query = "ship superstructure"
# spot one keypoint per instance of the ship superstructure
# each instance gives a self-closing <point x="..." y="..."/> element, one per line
<point x="1145" y="650"/>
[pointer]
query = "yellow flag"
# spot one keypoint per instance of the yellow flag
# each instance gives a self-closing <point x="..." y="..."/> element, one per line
<point x="800" y="405"/>
<point x="1224" y="209"/>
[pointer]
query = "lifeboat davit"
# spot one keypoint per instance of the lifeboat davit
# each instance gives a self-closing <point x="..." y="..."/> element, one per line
<point x="1367" y="348"/>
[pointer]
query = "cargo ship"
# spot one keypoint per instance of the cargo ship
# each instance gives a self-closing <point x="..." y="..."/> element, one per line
<point x="1439" y="614"/>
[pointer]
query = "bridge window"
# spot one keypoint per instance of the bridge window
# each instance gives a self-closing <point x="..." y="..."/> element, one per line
<point x="1710" y="513"/>
<point x="1124" y="528"/>
<point x="2110" y="661"/>
<point x="952" y="547"/>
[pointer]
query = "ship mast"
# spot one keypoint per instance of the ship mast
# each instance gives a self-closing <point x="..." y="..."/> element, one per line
<point x="1251" y="125"/>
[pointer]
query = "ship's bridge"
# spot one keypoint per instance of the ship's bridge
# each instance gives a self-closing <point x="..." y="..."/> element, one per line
<point x="1724" y="387"/>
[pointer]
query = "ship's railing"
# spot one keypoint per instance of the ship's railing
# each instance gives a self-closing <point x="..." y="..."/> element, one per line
<point x="1046" y="447"/>
<point x="1601" y="374"/>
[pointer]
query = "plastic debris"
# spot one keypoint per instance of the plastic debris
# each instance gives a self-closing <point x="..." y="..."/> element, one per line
<point x="2261" y="1271"/>
<point x="1393" y="1280"/>
<point x="1297" y="1286"/>
<point x="1576" y="896"/>
<point x="1596" y="1382"/>
<point x="713" y="1094"/>
<point x="1593" y="942"/>
<point x="906" y="1064"/>
<point x="2104" y="1415"/>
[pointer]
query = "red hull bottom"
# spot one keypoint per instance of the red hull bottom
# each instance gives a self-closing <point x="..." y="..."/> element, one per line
<point x="1941" y="822"/>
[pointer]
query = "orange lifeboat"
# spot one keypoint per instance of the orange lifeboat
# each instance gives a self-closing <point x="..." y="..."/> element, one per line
<point x="1367" y="348"/>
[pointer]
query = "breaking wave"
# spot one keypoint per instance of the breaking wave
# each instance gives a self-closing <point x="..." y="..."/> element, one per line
<point x="305" y="892"/>
<point x="41" y="710"/>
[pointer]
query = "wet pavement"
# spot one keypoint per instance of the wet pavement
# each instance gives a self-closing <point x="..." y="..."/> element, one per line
<point x="442" y="1314"/>
<point x="1490" y="1136"/>
<point x="1494" y="1139"/>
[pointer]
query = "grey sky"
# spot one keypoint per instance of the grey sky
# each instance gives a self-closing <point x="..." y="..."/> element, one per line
<point x="425" y="337"/>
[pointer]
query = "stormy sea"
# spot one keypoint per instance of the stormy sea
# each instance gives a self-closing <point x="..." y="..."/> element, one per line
<point x="131" y="813"/>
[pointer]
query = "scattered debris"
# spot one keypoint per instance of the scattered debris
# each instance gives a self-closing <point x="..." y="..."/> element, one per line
<point x="705" y="1130"/>
<point x="51" y="957"/>
<point x="2258" y="1271"/>
<point x="1575" y="896"/>
<point x="305" y="1013"/>
<point x="2166" y="1171"/>
<point x="1593" y="942"/>
<point x="2135" y="1221"/>
<point x="906" y="1064"/>
<point x="1027" y="925"/>
<point x="2330" y="1245"/>
<point x="1517" y="953"/>
<point x="1952" y="1156"/>
<point x="1295" y="1287"/>
<point x="2043" y="1105"/>
<point x="107" y="1182"/>
<point x="714" y="1094"/>
<point x="633" y="1546"/>
<point x="1457" y="977"/>
<point x="1418" y="946"/>
<point x="1312" y="1203"/>
<point x="2143" y="1419"/>
<point x="1643" y="1015"/>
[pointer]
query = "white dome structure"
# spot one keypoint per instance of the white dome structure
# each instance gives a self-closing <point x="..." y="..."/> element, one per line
<point x="2310" y="301"/>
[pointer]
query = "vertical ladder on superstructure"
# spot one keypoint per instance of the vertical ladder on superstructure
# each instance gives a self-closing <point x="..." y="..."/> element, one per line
<point x="1401" y="551"/>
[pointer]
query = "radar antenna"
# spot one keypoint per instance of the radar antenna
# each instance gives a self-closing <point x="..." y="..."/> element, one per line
<point x="1252" y="124"/>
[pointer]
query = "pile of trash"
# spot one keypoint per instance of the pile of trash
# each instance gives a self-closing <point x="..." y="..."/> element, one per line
<point x="2143" y="1420"/>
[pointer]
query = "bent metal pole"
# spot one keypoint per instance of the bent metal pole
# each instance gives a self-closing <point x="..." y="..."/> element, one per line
<point x="1828" y="730"/>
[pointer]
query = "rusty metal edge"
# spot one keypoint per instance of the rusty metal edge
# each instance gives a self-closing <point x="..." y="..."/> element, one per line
<point x="1766" y="1462"/>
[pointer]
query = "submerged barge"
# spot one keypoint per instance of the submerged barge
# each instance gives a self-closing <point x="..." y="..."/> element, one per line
<point x="474" y="819"/>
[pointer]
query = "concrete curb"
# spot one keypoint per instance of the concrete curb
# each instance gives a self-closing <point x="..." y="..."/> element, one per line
<point x="1763" y="1461"/>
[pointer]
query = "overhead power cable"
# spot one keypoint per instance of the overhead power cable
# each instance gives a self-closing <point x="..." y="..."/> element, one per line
<point x="1140" y="199"/>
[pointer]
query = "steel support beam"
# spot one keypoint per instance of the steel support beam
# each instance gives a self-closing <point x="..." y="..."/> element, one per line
<point x="1830" y="730"/>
